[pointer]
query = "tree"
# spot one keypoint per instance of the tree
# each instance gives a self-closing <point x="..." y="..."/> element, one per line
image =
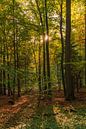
<point x="68" y="75"/>
<point x="85" y="42"/>
<point x="62" y="43"/>
<point x="39" y="78"/>
<point x="47" y="48"/>
<point x="14" y="49"/>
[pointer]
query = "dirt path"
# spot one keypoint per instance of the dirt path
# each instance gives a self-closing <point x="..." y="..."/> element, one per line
<point x="13" y="116"/>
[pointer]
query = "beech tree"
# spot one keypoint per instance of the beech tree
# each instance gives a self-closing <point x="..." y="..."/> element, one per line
<point x="47" y="47"/>
<point x="63" y="45"/>
<point x="68" y="75"/>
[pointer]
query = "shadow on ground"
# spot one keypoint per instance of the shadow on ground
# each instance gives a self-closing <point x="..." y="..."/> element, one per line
<point x="44" y="118"/>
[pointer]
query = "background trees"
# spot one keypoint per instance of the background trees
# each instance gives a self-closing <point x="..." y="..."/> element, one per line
<point x="33" y="46"/>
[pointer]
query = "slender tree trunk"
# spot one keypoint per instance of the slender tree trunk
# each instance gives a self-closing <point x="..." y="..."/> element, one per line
<point x="14" y="46"/>
<point x="17" y="62"/>
<point x="1" y="88"/>
<point x="1" y="85"/>
<point x="18" y="77"/>
<point x="85" y="42"/>
<point x="8" y="75"/>
<point x="25" y="81"/>
<point x="44" y="64"/>
<point x="39" y="78"/>
<point x="4" y="61"/>
<point x="35" y="57"/>
<point x="68" y="77"/>
<point x="62" y="43"/>
<point x="58" y="77"/>
<point x="47" y="48"/>
<point x="4" y="74"/>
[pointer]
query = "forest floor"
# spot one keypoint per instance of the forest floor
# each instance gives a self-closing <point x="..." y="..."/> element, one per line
<point x="29" y="112"/>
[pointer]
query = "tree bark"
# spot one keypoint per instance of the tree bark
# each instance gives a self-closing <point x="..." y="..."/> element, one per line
<point x="68" y="74"/>
<point x="47" y="48"/>
<point x="39" y="78"/>
<point x="62" y="43"/>
<point x="85" y="43"/>
<point x="14" y="47"/>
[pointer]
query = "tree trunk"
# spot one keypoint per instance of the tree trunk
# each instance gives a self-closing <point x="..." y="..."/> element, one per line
<point x="1" y="85"/>
<point x="4" y="73"/>
<point x="8" y="75"/>
<point x="25" y="81"/>
<point x="85" y="43"/>
<point x="62" y="43"/>
<point x="18" y="77"/>
<point x="17" y="62"/>
<point x="14" y="47"/>
<point x="68" y="77"/>
<point x="47" y="48"/>
<point x="39" y="78"/>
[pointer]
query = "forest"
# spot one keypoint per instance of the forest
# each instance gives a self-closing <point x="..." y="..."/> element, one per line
<point x="42" y="64"/>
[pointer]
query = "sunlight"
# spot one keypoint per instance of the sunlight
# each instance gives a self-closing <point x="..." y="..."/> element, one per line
<point x="46" y="37"/>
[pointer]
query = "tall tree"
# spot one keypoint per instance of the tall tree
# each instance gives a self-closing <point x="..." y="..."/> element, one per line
<point x="14" y="47"/>
<point x="4" y="61"/>
<point x="68" y="74"/>
<point x="85" y="42"/>
<point x="47" y="47"/>
<point x="39" y="78"/>
<point x="17" y="63"/>
<point x="62" y="43"/>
